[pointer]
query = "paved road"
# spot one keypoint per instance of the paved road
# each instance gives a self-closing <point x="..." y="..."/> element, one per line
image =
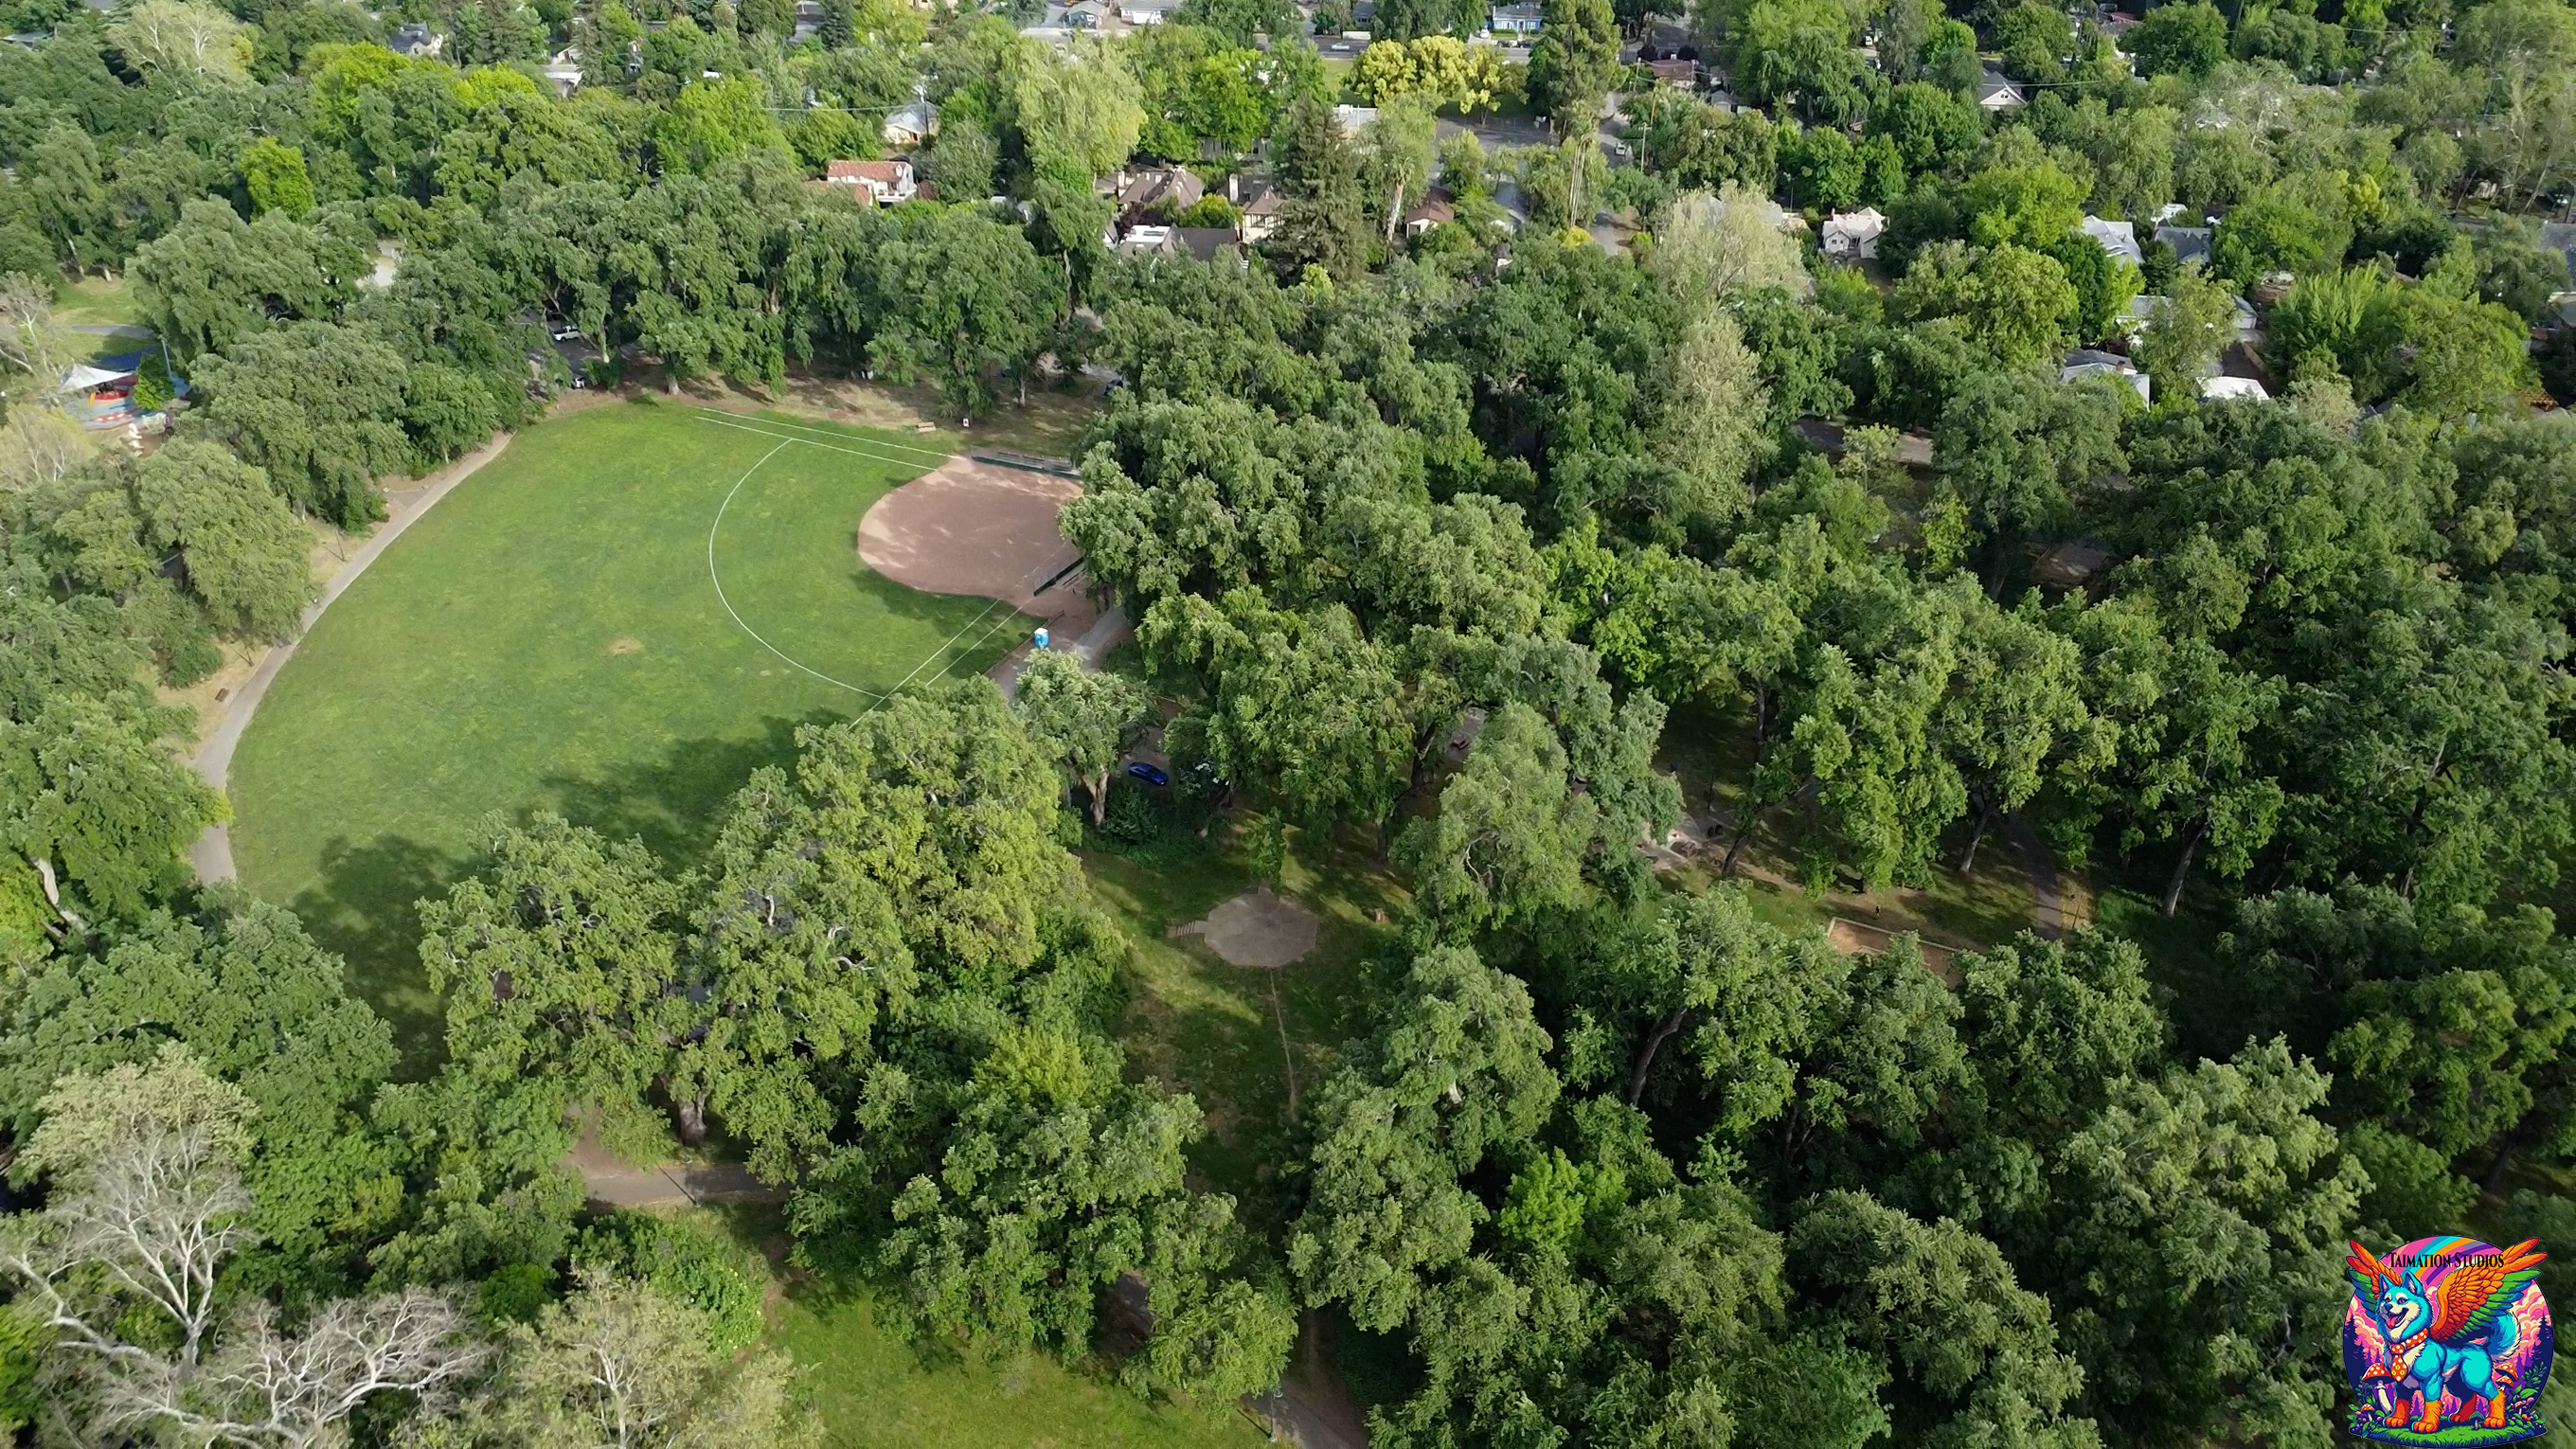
<point x="212" y="854"/>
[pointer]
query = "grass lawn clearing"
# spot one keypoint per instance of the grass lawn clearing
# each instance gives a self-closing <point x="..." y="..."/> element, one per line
<point x="551" y="637"/>
<point x="1213" y="1030"/>
<point x="98" y="302"/>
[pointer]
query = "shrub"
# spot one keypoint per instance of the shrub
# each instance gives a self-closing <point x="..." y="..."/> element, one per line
<point x="690" y="1261"/>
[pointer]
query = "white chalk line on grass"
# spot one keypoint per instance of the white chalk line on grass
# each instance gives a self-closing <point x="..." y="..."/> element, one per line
<point x="739" y="420"/>
<point x="829" y="447"/>
<point x="715" y="578"/>
<point x="718" y="580"/>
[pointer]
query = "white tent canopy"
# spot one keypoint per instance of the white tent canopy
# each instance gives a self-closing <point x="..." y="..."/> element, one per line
<point x="86" y="378"/>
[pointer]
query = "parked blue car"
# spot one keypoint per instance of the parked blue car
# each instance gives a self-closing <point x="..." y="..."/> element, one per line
<point x="1150" y="774"/>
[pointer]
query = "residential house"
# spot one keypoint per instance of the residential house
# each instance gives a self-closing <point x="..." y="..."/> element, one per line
<point x="2560" y="237"/>
<point x="1144" y="12"/>
<point x="1513" y="19"/>
<point x="1157" y="191"/>
<point x="1675" y="72"/>
<point x="1853" y="235"/>
<point x="883" y="183"/>
<point x="2189" y="243"/>
<point x="1996" y="93"/>
<point x="1086" y="14"/>
<point x="2119" y="238"/>
<point x="910" y="125"/>
<point x="2233" y="387"/>
<point x="1433" y="210"/>
<point x="564" y="73"/>
<point x="1208" y="243"/>
<point x="1147" y="241"/>
<point x="1354" y="119"/>
<point x="415" y="40"/>
<point x="2086" y="362"/>
<point x="809" y="21"/>
<point x="1258" y="201"/>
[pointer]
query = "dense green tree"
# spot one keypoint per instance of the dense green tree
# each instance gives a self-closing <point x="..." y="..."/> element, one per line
<point x="243" y="552"/>
<point x="1575" y="63"/>
<point x="2016" y="450"/>
<point x="1304" y="705"/>
<point x="215" y="279"/>
<point x="316" y="405"/>
<point x="713" y="119"/>
<point x="2186" y="330"/>
<point x="1455" y="1070"/>
<point x="2187" y="40"/>
<point x="966" y="296"/>
<point x="97" y="812"/>
<point x="1087" y="719"/>
<point x="560" y="967"/>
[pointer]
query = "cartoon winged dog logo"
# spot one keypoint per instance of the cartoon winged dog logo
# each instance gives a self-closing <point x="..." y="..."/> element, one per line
<point x="2447" y="1342"/>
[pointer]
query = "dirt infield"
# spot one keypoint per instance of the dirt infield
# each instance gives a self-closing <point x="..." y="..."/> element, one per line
<point x="975" y="528"/>
<point x="1257" y="928"/>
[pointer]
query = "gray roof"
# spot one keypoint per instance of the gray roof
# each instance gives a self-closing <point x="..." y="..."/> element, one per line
<point x="2560" y="236"/>
<point x="2188" y="242"/>
<point x="2119" y="238"/>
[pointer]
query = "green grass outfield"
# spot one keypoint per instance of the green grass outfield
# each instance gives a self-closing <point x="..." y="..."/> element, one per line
<point x="550" y="637"/>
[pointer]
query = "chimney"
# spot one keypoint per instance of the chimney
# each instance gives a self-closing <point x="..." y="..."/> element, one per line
<point x="1233" y="187"/>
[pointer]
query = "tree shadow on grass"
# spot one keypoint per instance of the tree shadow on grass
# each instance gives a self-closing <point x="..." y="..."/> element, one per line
<point x="364" y="909"/>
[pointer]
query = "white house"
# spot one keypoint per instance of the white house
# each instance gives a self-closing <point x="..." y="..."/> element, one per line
<point x="2233" y="387"/>
<point x="1144" y="12"/>
<point x="1515" y="19"/>
<point x="1995" y="93"/>
<point x="1354" y="119"/>
<point x="2119" y="238"/>
<point x="1853" y="235"/>
<point x="881" y="182"/>
<point x="564" y="73"/>
<point x="910" y="125"/>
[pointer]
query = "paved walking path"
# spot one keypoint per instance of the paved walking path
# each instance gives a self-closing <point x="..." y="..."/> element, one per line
<point x="1105" y="633"/>
<point x="212" y="853"/>
<point x="2047" y="902"/>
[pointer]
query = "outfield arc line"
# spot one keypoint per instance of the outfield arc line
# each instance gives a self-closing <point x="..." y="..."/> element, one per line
<point x="717" y="579"/>
<point x="813" y="428"/>
<point x="811" y="443"/>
